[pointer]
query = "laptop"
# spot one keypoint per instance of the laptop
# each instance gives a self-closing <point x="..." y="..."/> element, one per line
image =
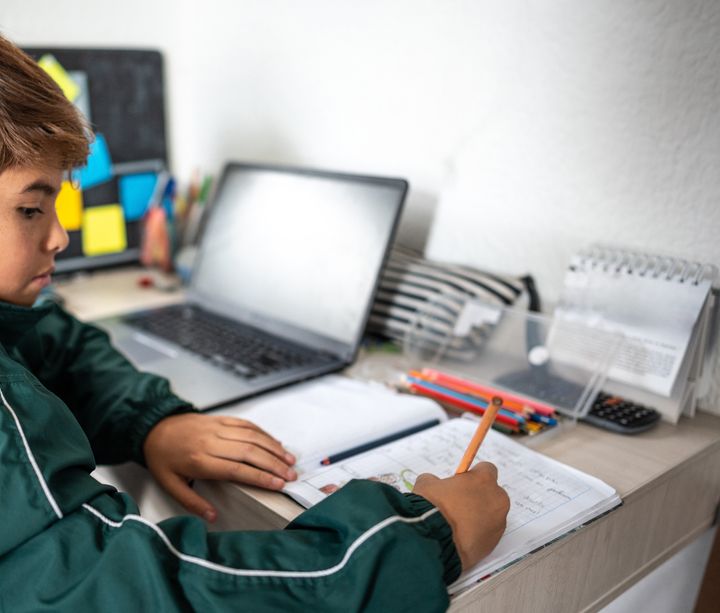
<point x="287" y="267"/>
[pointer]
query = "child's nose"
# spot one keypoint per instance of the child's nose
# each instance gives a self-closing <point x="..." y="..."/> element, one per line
<point x="58" y="239"/>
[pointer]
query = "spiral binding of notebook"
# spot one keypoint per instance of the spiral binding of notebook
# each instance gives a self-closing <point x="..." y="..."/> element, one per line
<point x="667" y="311"/>
<point x="626" y="261"/>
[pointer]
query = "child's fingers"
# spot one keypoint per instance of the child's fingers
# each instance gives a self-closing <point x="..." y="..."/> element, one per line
<point x="240" y="472"/>
<point x="486" y="469"/>
<point x="254" y="438"/>
<point x="252" y="454"/>
<point x="424" y="480"/>
<point x="236" y="422"/>
<point x="179" y="489"/>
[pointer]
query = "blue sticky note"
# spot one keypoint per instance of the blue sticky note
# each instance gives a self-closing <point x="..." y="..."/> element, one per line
<point x="168" y="199"/>
<point x="99" y="165"/>
<point x="135" y="193"/>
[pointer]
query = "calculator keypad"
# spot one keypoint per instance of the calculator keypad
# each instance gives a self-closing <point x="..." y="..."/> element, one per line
<point x="621" y="415"/>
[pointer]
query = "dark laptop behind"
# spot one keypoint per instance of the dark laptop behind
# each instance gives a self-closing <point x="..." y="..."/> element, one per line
<point x="284" y="280"/>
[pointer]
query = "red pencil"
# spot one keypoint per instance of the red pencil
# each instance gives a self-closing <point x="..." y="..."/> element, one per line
<point x="440" y="378"/>
<point x="516" y="407"/>
<point x="460" y="404"/>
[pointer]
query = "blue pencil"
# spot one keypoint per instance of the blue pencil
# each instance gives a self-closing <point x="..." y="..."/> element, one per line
<point x="464" y="397"/>
<point x="342" y="455"/>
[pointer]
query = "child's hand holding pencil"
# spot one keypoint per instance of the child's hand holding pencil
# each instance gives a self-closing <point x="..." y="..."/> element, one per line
<point x="487" y="420"/>
<point x="474" y="505"/>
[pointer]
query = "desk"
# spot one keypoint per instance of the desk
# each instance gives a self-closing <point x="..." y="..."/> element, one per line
<point x="668" y="478"/>
<point x="102" y="294"/>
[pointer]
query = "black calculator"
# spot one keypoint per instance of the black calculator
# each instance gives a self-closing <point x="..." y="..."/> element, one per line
<point x="620" y="415"/>
<point x="607" y="411"/>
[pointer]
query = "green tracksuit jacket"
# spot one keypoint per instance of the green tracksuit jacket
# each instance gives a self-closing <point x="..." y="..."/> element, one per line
<point x="69" y="543"/>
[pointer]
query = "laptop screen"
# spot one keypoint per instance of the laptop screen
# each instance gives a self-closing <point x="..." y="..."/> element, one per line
<point x="301" y="247"/>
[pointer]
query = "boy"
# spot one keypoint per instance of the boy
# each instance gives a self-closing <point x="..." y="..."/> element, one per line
<point x="67" y="399"/>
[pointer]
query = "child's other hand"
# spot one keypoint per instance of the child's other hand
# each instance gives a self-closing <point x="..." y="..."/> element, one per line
<point x="190" y="446"/>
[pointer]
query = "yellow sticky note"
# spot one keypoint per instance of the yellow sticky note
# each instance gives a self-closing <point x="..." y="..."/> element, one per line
<point x="54" y="68"/>
<point x="69" y="206"/>
<point x="103" y="230"/>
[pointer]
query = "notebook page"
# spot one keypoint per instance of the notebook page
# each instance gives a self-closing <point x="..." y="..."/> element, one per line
<point x="547" y="497"/>
<point x="333" y="413"/>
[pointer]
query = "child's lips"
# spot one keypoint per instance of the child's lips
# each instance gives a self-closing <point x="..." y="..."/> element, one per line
<point x="44" y="278"/>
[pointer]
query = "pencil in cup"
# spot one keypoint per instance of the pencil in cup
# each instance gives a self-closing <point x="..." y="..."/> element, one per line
<point x="482" y="429"/>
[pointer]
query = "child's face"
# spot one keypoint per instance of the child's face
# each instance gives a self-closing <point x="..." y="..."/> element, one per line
<point x="30" y="233"/>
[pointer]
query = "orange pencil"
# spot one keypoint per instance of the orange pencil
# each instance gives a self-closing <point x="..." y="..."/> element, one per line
<point x="445" y="379"/>
<point x="471" y="390"/>
<point x="484" y="425"/>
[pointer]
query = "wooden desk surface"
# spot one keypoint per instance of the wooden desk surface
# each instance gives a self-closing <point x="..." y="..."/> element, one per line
<point x="668" y="478"/>
<point x="102" y="294"/>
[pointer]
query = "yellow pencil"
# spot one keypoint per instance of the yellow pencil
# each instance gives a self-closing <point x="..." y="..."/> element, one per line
<point x="487" y="420"/>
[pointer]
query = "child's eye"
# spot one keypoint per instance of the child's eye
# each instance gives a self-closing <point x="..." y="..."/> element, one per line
<point x="28" y="212"/>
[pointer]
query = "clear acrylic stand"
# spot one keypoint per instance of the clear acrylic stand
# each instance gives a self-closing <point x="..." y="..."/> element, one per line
<point x="547" y="360"/>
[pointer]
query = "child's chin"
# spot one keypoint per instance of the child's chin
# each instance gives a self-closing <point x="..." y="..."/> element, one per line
<point x="27" y="299"/>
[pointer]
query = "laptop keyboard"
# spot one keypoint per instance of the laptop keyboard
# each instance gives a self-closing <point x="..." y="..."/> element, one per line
<point x="241" y="349"/>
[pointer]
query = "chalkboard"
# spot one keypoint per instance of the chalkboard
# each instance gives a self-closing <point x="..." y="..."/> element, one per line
<point x="126" y="103"/>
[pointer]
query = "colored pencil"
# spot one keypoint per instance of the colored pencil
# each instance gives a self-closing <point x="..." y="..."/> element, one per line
<point x="390" y="438"/>
<point x="445" y="379"/>
<point x="460" y="401"/>
<point x="516" y="407"/>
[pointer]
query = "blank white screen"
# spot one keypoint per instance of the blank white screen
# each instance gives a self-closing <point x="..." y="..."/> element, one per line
<point x="302" y="249"/>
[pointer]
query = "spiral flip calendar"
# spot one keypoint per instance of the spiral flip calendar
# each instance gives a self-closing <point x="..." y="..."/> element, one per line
<point x="662" y="306"/>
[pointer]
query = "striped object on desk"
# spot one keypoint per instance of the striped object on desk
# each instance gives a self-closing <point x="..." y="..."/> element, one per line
<point x="412" y="286"/>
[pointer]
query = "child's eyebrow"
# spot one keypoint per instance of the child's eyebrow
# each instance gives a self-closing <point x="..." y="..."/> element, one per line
<point x="41" y="186"/>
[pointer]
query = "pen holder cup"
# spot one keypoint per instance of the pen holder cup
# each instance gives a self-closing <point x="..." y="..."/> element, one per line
<point x="548" y="360"/>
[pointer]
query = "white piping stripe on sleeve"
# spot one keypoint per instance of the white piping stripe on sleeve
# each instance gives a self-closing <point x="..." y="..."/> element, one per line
<point x="265" y="573"/>
<point x="36" y="468"/>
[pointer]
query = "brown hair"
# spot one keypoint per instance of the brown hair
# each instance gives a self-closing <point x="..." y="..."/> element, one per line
<point x="38" y="123"/>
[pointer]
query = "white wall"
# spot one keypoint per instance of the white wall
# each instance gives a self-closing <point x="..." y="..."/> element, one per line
<point x="539" y="126"/>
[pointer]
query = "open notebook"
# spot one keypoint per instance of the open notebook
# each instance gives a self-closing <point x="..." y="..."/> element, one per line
<point x="333" y="414"/>
<point x="548" y="498"/>
<point x="325" y="416"/>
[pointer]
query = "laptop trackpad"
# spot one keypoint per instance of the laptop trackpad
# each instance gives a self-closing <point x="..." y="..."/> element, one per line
<point x="139" y="352"/>
<point x="190" y="377"/>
